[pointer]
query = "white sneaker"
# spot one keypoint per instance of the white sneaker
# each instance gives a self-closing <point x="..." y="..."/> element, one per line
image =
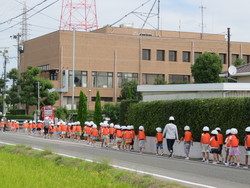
<point x="187" y="158"/>
<point x="206" y="161"/>
<point x="245" y="167"/>
<point x="215" y="163"/>
<point x="226" y="164"/>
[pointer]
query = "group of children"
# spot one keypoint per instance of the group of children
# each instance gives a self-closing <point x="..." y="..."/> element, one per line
<point x="124" y="137"/>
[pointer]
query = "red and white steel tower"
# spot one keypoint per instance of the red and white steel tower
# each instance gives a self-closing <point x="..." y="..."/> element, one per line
<point x="78" y="15"/>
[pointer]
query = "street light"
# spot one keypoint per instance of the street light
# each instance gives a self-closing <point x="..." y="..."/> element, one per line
<point x="6" y="56"/>
<point x="73" y="68"/>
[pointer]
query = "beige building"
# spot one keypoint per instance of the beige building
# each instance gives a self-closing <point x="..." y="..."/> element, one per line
<point x="107" y="57"/>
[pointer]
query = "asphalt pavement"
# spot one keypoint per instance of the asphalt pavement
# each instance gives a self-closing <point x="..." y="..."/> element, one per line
<point x="192" y="173"/>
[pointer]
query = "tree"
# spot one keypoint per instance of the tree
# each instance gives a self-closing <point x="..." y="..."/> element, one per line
<point x="126" y="92"/>
<point x="61" y="113"/>
<point x="98" y="109"/>
<point x="207" y="68"/>
<point x="51" y="99"/>
<point x="29" y="89"/>
<point x="239" y="62"/>
<point x="112" y="111"/>
<point x="12" y="97"/>
<point x="160" y="81"/>
<point x="82" y="112"/>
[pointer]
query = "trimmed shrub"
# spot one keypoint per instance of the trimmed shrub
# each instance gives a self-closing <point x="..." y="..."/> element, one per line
<point x="112" y="111"/>
<point x="217" y="112"/>
<point x="17" y="112"/>
<point x="24" y="117"/>
<point x="124" y="110"/>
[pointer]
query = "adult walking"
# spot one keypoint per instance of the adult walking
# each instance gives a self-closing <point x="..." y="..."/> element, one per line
<point x="5" y="122"/>
<point x="46" y="125"/>
<point x="170" y="132"/>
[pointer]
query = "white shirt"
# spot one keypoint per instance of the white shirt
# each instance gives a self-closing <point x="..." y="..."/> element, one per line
<point x="170" y="131"/>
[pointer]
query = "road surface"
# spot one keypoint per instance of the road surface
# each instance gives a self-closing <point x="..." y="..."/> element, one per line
<point x="190" y="173"/>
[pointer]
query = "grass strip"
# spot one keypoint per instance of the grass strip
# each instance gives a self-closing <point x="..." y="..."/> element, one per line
<point x="23" y="167"/>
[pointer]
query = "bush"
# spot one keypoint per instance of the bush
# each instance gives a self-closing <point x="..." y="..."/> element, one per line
<point x="112" y="111"/>
<point x="24" y="117"/>
<point x="124" y="110"/>
<point x="17" y="112"/>
<point x="217" y="112"/>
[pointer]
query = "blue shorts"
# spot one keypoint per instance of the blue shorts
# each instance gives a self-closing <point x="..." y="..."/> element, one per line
<point x="58" y="133"/>
<point x="159" y="145"/>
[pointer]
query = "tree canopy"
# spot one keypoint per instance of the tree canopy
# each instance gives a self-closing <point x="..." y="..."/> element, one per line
<point x="29" y="89"/>
<point x="98" y="109"/>
<point x="129" y="91"/>
<point x="82" y="112"/>
<point x="239" y="62"/>
<point x="207" y="68"/>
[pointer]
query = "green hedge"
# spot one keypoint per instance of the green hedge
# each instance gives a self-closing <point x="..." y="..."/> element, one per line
<point x="123" y="114"/>
<point x="217" y="112"/>
<point x="24" y="117"/>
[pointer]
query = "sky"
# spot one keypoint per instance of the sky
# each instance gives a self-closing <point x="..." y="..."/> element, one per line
<point x="175" y="15"/>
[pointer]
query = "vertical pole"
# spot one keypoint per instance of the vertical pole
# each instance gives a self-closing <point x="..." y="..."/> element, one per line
<point x="73" y="68"/>
<point x="228" y="50"/>
<point x="19" y="74"/>
<point x="4" y="88"/>
<point x="38" y="100"/>
<point x="158" y="24"/>
<point x="115" y="76"/>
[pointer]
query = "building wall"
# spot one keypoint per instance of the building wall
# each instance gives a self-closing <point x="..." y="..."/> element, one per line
<point x="119" y="50"/>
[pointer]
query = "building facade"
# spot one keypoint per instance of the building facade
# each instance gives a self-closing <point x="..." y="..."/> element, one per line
<point x="107" y="57"/>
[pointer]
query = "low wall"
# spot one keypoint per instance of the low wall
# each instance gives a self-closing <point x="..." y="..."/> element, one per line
<point x="195" y="151"/>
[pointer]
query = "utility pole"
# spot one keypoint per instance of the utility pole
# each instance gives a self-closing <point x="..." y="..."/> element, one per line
<point x="6" y="56"/>
<point x="73" y="67"/>
<point x="38" y="100"/>
<point x="17" y="37"/>
<point x="228" y="51"/>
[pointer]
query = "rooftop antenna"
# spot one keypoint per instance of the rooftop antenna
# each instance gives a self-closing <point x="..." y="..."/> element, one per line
<point x="202" y="20"/>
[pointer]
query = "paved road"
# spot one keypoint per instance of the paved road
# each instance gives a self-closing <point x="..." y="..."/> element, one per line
<point x="190" y="173"/>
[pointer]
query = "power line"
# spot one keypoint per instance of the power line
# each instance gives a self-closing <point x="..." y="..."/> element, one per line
<point x="40" y="12"/>
<point x="30" y="16"/>
<point x="9" y="20"/>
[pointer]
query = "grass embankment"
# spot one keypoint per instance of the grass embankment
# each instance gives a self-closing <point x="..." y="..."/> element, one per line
<point x="21" y="166"/>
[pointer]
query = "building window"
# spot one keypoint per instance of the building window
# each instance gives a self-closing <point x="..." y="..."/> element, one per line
<point x="53" y="75"/>
<point x="125" y="77"/>
<point x="160" y="55"/>
<point x="80" y="79"/>
<point x="104" y="99"/>
<point x="150" y="78"/>
<point x="146" y="54"/>
<point x="223" y="58"/>
<point x="44" y="67"/>
<point x="173" y="78"/>
<point x="186" y="56"/>
<point x="102" y="79"/>
<point x="172" y="55"/>
<point x="197" y="54"/>
<point x="246" y="58"/>
<point x="234" y="57"/>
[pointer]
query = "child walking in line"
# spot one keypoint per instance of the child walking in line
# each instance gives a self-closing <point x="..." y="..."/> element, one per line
<point x="141" y="138"/>
<point x="94" y="135"/>
<point x="247" y="146"/>
<point x="118" y="136"/>
<point x="214" y="146"/>
<point x="227" y="146"/>
<point x="220" y="140"/>
<point x="234" y="147"/>
<point x="159" y="140"/>
<point x="188" y="140"/>
<point x="205" y="139"/>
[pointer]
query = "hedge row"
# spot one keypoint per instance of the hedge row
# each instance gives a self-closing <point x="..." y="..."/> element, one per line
<point x="23" y="117"/>
<point x="217" y="112"/>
